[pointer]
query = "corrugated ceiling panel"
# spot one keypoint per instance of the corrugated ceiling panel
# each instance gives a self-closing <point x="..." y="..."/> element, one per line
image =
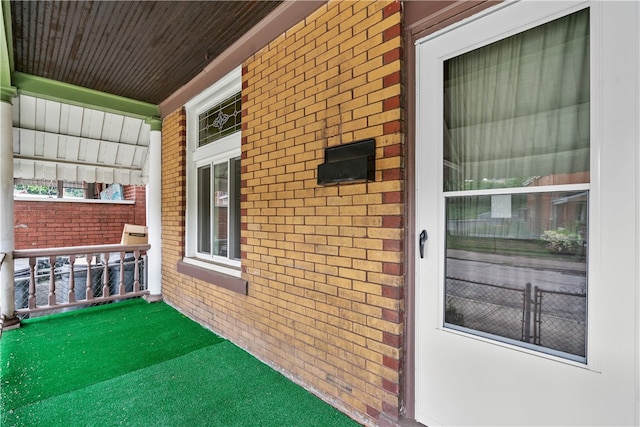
<point x="68" y="172"/>
<point x="140" y="156"/>
<point x="87" y="174"/>
<point x="89" y="151"/>
<point x="48" y="133"/>
<point x="26" y="143"/>
<point x="112" y="128"/>
<point x="72" y="148"/>
<point x="131" y="129"/>
<point x="105" y="175"/>
<point x="50" y="145"/>
<point x="40" y="113"/>
<point x="52" y="116"/>
<point x="49" y="171"/>
<point x="92" y="124"/>
<point x="71" y="121"/>
<point x="124" y="155"/>
<point x="27" y="115"/>
<point x="107" y="153"/>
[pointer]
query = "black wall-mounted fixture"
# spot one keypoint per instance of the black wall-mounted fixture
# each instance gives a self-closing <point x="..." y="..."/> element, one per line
<point x="353" y="162"/>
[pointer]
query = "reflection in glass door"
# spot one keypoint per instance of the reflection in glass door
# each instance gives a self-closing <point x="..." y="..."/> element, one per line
<point x="516" y="269"/>
<point x="516" y="188"/>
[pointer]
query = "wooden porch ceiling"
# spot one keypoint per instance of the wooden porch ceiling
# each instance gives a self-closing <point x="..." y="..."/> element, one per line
<point x="141" y="50"/>
<point x="91" y="73"/>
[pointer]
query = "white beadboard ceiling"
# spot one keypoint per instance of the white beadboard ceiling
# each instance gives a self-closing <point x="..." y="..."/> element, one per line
<point x="56" y="141"/>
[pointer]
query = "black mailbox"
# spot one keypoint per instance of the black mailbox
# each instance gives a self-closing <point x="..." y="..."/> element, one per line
<point x="354" y="162"/>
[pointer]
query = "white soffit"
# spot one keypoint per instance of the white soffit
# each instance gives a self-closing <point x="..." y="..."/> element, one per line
<point x="57" y="141"/>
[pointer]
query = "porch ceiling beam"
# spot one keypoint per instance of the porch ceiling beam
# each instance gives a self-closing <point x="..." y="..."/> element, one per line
<point x="53" y="90"/>
<point x="39" y="168"/>
<point x="45" y="133"/>
<point x="7" y="91"/>
<point x="43" y="160"/>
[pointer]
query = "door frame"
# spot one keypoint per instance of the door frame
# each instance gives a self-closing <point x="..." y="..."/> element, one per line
<point x="421" y="19"/>
<point x="417" y="27"/>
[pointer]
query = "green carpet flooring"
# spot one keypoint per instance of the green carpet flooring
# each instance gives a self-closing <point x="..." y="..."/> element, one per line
<point x="139" y="364"/>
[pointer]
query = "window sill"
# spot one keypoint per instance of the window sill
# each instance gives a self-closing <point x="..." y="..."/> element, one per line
<point x="225" y="281"/>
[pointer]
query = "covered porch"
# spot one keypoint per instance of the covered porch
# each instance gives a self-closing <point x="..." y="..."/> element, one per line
<point x="138" y="364"/>
<point x="82" y="92"/>
<point x="85" y="348"/>
<point x="99" y="91"/>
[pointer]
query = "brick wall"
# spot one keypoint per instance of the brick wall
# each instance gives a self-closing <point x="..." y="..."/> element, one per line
<point x="176" y="289"/>
<point x="56" y="223"/>
<point x="324" y="263"/>
<point x="137" y="193"/>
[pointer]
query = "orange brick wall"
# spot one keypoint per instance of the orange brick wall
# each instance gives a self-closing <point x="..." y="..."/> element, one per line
<point x="324" y="263"/>
<point x="47" y="224"/>
<point x="138" y="193"/>
<point x="176" y="289"/>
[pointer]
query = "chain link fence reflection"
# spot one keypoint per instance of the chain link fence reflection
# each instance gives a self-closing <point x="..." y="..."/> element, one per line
<point x="555" y="320"/>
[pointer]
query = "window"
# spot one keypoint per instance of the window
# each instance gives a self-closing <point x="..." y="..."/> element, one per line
<point x="66" y="189"/>
<point x="516" y="185"/>
<point x="218" y="208"/>
<point x="221" y="120"/>
<point x="213" y="177"/>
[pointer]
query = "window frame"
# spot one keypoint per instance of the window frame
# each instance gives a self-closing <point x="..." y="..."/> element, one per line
<point x="216" y="152"/>
<point x="451" y="194"/>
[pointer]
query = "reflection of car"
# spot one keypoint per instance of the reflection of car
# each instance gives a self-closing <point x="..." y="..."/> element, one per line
<point x="485" y="215"/>
<point x="222" y="247"/>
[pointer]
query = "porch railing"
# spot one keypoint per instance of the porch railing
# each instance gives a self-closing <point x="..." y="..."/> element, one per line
<point x="52" y="279"/>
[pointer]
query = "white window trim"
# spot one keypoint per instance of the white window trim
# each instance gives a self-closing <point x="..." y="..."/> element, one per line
<point x="224" y="148"/>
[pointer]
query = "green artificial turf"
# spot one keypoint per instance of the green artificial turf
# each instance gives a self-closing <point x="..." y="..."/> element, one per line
<point x="52" y="355"/>
<point x="139" y="364"/>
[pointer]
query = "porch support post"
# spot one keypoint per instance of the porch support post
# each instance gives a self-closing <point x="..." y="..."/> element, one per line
<point x="154" y="212"/>
<point x="7" y="238"/>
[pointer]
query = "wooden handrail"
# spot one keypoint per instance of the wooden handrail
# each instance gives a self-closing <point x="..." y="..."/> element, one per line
<point x="42" y="293"/>
<point x="78" y="250"/>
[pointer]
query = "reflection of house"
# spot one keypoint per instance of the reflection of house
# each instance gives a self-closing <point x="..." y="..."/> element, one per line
<point x="553" y="211"/>
<point x="326" y="282"/>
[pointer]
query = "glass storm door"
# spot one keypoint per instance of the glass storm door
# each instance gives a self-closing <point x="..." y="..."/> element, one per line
<point x="521" y="190"/>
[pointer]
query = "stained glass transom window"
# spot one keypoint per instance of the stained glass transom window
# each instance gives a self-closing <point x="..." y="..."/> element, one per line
<point x="221" y="120"/>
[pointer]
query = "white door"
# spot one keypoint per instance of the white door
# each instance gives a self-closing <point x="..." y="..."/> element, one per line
<point x="527" y="192"/>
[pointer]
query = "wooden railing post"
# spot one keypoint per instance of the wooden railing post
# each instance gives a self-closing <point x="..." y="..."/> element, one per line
<point x="89" y="280"/>
<point x="121" y="286"/>
<point x="105" y="274"/>
<point x="71" y="293"/>
<point x="32" y="282"/>
<point x="52" y="280"/>
<point x="136" y="271"/>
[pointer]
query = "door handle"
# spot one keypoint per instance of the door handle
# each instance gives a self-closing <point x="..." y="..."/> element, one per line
<point x="423" y="239"/>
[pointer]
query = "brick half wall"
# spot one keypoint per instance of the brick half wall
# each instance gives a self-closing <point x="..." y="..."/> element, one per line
<point x="59" y="222"/>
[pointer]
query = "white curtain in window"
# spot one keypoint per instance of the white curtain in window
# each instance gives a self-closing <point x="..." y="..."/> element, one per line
<point x="519" y="108"/>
